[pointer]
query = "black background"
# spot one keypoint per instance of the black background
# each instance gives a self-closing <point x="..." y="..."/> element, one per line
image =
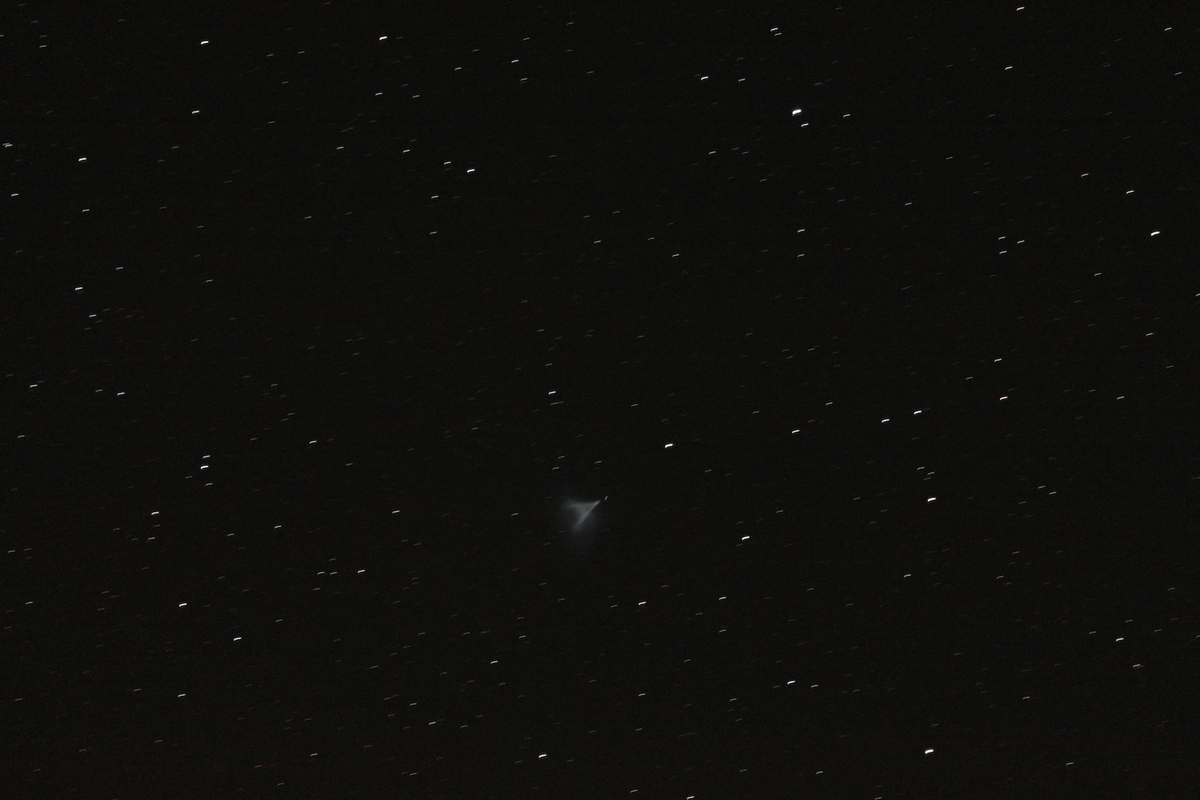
<point x="308" y="334"/>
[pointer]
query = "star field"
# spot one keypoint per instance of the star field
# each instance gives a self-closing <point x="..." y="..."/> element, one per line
<point x="592" y="401"/>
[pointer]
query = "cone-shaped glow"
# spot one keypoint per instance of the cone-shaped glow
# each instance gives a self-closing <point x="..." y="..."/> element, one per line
<point x="578" y="512"/>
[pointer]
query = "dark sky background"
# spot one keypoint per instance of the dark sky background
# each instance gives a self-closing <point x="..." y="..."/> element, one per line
<point x="873" y="329"/>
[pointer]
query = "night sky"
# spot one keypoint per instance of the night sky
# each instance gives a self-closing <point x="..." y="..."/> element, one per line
<point x="599" y="400"/>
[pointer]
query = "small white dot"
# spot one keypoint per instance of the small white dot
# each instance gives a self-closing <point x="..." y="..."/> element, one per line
<point x="928" y="750"/>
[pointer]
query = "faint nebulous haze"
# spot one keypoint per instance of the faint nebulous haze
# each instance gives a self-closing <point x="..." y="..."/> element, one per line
<point x="581" y="524"/>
